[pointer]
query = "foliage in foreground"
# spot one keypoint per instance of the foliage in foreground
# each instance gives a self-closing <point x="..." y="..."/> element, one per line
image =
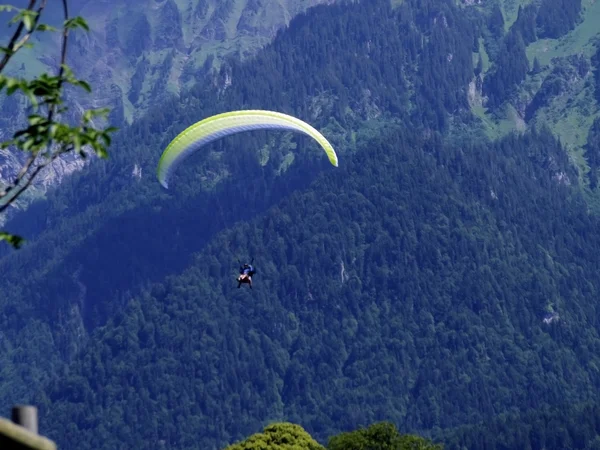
<point x="380" y="436"/>
<point x="289" y="436"/>
<point x="279" y="436"/>
<point x="46" y="137"/>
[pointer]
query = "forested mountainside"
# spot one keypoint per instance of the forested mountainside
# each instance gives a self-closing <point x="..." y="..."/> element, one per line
<point x="446" y="299"/>
<point x="430" y="281"/>
<point x="542" y="68"/>
<point x="573" y="426"/>
<point x="74" y="284"/>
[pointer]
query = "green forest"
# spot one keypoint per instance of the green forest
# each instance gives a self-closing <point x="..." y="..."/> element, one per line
<point x="437" y="289"/>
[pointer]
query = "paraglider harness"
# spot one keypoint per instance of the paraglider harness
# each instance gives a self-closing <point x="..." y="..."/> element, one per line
<point x="246" y="273"/>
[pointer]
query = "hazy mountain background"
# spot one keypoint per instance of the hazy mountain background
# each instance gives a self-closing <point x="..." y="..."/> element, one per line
<point x="136" y="55"/>
<point x="446" y="274"/>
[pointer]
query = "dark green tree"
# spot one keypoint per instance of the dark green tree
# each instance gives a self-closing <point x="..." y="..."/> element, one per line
<point x="380" y="436"/>
<point x="279" y="436"/>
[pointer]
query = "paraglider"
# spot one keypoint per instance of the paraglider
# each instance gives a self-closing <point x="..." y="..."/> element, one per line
<point x="246" y="273"/>
<point x="225" y="124"/>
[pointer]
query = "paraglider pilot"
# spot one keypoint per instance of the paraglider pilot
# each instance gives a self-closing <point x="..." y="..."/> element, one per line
<point x="246" y="272"/>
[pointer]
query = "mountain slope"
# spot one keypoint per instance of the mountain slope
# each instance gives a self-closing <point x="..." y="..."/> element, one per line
<point x="565" y="426"/>
<point x="76" y="284"/>
<point x="545" y="76"/>
<point x="138" y="52"/>
<point x="390" y="289"/>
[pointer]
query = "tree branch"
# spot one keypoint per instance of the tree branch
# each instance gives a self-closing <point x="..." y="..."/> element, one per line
<point x="63" y="59"/>
<point x="25" y="38"/>
<point x="51" y="109"/>
<point x="13" y="40"/>
<point x="46" y="94"/>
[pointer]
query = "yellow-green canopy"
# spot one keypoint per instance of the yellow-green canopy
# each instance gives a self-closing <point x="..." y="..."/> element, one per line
<point x="221" y="125"/>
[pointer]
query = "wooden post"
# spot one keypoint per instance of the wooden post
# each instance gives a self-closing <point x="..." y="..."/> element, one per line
<point x="21" y="433"/>
<point x="26" y="416"/>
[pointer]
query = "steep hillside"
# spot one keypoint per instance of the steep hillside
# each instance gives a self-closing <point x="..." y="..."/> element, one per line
<point x="392" y="289"/>
<point x="75" y="284"/>
<point x="538" y="66"/>
<point x="574" y="426"/>
<point x="138" y="52"/>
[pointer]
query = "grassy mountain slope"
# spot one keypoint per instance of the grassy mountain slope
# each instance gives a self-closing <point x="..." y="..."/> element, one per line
<point x="137" y="52"/>
<point x="558" y="89"/>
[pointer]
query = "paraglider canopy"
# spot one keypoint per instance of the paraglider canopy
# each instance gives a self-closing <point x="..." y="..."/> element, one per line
<point x="225" y="124"/>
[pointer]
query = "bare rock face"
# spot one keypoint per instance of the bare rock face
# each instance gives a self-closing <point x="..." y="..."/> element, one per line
<point x="10" y="162"/>
<point x="216" y="28"/>
<point x="262" y="17"/>
<point x="52" y="175"/>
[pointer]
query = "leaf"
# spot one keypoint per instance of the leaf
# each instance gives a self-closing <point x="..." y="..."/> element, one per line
<point x="28" y="144"/>
<point x="67" y="72"/>
<point x="76" y="22"/>
<point x="106" y="139"/>
<point x="12" y="84"/>
<point x="102" y="153"/>
<point x="77" y="142"/>
<point x="31" y="97"/>
<point x="28" y="22"/>
<point x="83" y="84"/>
<point x="36" y="119"/>
<point x="45" y="27"/>
<point x="28" y="17"/>
<point x="14" y="241"/>
<point x="16" y="18"/>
